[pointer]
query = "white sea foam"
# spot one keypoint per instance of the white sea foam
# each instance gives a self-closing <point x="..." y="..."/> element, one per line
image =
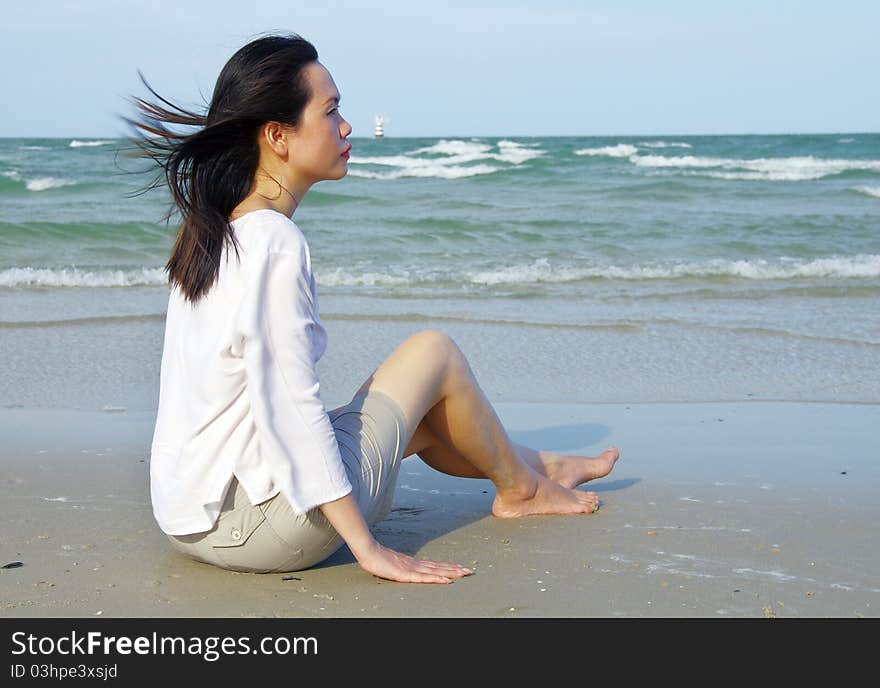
<point x="664" y="144"/>
<point x="455" y="147"/>
<point x="869" y="190"/>
<point x="44" y="183"/>
<point x="540" y="271"/>
<point x="75" y="277"/>
<point x="446" y="159"/>
<point x="537" y="272"/>
<point x="759" y="176"/>
<point x="88" y="144"/>
<point x="621" y="150"/>
<point x="33" y="148"/>
<point x="439" y="171"/>
<point x="517" y="153"/>
<point x="759" y="169"/>
<point x="503" y="143"/>
<point x="459" y="152"/>
<point x="847" y="140"/>
<point x="393" y="161"/>
<point x="37" y="183"/>
<point x="338" y="278"/>
<point x="682" y="161"/>
<point x="860" y="266"/>
<point x="863" y="266"/>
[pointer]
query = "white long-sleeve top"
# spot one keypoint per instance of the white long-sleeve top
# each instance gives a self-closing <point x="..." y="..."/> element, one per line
<point x="238" y="392"/>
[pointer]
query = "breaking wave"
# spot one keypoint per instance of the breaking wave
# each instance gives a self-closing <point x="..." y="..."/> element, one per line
<point x="541" y="271"/>
<point x="621" y="150"/>
<point x="37" y="183"/>
<point x="88" y="144"/>
<point x="869" y="190"/>
<point x="76" y="277"/>
<point x="759" y="169"/>
<point x="448" y="159"/>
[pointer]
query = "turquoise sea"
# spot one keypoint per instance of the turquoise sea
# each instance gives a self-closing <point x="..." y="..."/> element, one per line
<point x="677" y="268"/>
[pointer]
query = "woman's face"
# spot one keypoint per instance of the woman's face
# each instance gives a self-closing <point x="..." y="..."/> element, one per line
<point x="318" y="147"/>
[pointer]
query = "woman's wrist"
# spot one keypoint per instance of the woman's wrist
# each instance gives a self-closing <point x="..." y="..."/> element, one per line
<point x="364" y="549"/>
<point x="346" y="518"/>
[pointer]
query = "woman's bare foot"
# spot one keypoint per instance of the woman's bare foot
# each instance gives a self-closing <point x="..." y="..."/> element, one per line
<point x="546" y="497"/>
<point x="571" y="471"/>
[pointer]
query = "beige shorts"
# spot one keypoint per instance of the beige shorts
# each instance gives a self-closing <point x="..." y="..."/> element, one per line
<point x="270" y="537"/>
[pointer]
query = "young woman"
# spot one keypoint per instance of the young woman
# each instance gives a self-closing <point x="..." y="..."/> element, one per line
<point x="248" y="470"/>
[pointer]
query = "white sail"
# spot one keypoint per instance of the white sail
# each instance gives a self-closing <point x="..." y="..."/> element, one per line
<point x="379" y="130"/>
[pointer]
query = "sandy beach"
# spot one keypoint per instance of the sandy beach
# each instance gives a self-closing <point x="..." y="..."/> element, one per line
<point x="710" y="304"/>
<point x="735" y="509"/>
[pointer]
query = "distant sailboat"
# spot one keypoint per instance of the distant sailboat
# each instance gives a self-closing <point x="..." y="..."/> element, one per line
<point x="379" y="131"/>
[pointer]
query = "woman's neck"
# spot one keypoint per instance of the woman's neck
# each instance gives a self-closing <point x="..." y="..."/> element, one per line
<point x="272" y="192"/>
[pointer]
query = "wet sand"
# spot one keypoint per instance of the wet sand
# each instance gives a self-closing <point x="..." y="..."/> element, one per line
<point x="751" y="509"/>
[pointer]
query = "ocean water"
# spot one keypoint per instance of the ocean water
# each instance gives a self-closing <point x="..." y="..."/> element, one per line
<point x="687" y="268"/>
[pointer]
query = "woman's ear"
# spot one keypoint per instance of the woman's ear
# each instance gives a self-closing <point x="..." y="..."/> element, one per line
<point x="276" y="136"/>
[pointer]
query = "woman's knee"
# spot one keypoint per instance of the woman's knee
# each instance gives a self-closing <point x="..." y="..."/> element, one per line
<point x="441" y="349"/>
<point x="436" y="343"/>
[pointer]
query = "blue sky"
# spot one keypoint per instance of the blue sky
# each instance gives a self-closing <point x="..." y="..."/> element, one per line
<point x="456" y="68"/>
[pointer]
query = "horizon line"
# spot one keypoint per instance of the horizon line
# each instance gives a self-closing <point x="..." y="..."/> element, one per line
<point x="534" y="136"/>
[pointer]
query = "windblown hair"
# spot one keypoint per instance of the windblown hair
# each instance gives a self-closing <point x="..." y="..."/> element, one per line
<point x="209" y="172"/>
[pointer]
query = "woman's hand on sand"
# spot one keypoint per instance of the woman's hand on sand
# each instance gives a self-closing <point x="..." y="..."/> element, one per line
<point x="345" y="516"/>
<point x="386" y="563"/>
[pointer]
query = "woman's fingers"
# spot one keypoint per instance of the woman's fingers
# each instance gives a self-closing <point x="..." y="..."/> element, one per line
<point x="428" y="574"/>
<point x="403" y="568"/>
<point x="414" y="572"/>
<point x="425" y="571"/>
<point x="448" y="565"/>
<point x="443" y="568"/>
<point x="429" y="578"/>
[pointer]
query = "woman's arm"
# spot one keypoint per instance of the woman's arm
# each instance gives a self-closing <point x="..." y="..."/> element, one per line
<point x="346" y="517"/>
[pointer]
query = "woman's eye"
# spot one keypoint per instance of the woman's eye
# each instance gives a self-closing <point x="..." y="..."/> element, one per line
<point x="333" y="110"/>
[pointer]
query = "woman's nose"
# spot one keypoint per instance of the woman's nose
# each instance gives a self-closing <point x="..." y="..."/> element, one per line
<point x="344" y="128"/>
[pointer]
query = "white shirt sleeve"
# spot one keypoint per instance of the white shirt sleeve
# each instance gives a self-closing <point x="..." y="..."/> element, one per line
<point x="278" y="322"/>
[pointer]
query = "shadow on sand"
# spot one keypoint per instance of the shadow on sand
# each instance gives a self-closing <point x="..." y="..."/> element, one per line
<point x="429" y="505"/>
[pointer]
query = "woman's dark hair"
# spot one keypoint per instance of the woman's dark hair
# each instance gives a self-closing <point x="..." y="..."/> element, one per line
<point x="209" y="172"/>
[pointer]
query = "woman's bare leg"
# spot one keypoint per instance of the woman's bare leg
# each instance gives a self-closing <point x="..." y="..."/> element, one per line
<point x="430" y="379"/>
<point x="567" y="470"/>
